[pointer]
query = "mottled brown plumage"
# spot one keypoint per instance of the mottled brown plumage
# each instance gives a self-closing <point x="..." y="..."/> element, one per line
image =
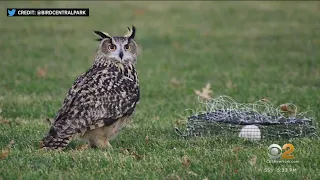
<point x="102" y="99"/>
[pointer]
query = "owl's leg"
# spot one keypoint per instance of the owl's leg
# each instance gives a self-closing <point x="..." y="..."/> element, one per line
<point x="100" y="143"/>
<point x="97" y="138"/>
<point x="108" y="144"/>
<point x="112" y="131"/>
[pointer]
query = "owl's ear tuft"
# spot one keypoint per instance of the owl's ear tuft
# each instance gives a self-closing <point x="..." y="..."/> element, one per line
<point x="131" y="33"/>
<point x="102" y="35"/>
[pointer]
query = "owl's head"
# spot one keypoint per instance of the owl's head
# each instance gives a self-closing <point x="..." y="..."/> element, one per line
<point x="121" y="48"/>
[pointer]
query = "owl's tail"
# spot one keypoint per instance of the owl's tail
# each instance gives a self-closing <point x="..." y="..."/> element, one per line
<point x="54" y="142"/>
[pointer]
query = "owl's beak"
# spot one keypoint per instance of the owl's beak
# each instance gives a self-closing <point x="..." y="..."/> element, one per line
<point x="121" y="54"/>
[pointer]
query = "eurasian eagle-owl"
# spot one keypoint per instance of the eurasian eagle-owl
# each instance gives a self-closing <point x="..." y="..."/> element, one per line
<point x="102" y="99"/>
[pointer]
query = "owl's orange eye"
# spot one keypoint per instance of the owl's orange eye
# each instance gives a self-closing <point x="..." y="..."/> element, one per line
<point x="112" y="47"/>
<point x="127" y="47"/>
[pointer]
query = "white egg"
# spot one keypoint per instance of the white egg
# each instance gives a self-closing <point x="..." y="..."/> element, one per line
<point x="251" y="132"/>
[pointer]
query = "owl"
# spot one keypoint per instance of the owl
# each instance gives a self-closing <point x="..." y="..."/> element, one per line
<point x="102" y="99"/>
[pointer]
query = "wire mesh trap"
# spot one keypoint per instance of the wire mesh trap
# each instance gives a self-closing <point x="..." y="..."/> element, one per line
<point x="258" y="120"/>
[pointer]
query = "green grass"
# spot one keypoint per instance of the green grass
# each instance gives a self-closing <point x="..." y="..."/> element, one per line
<point x="266" y="49"/>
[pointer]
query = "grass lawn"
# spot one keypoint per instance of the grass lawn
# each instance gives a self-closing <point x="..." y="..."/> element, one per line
<point x="246" y="50"/>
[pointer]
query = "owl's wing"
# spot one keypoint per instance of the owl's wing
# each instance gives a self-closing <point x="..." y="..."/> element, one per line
<point x="98" y="96"/>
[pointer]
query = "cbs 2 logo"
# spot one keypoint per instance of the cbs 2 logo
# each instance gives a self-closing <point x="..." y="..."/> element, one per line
<point x="275" y="151"/>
